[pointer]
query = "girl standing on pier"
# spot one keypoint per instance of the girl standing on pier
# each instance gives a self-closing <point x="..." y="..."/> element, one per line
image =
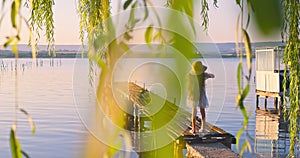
<point x="196" y="92"/>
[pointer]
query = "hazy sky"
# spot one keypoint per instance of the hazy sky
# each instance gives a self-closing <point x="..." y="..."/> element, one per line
<point x="221" y="25"/>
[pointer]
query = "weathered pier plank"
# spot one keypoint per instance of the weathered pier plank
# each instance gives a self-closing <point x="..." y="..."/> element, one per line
<point x="209" y="150"/>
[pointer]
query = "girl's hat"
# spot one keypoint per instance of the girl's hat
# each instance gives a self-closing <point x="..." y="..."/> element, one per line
<point x="198" y="68"/>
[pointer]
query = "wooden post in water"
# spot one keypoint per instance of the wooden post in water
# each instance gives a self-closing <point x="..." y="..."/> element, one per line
<point x="257" y="101"/>
<point x="275" y="103"/>
<point x="266" y="99"/>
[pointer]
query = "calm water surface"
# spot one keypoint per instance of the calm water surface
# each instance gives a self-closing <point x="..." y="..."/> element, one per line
<point x="46" y="92"/>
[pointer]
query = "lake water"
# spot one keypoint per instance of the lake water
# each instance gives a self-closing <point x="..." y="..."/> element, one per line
<point x="46" y="89"/>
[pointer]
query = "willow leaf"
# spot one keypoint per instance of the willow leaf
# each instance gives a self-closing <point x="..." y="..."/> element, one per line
<point x="244" y="147"/>
<point x="249" y="146"/>
<point x="148" y="35"/>
<point x="204" y="14"/>
<point x="248" y="49"/>
<point x="238" y="2"/>
<point x="216" y="3"/>
<point x="248" y="15"/>
<point x="30" y="120"/>
<point x="8" y="42"/>
<point x="14" y="48"/>
<point x="126" y="4"/>
<point x="125" y="47"/>
<point x="239" y="74"/>
<point x="25" y="154"/>
<point x="238" y="136"/>
<point x="132" y="20"/>
<point x="13" y="15"/>
<point x="146" y="10"/>
<point x="245" y="92"/>
<point x="15" y="145"/>
<point x="244" y="112"/>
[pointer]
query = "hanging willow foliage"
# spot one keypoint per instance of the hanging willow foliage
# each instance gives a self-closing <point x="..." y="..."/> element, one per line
<point x="42" y="19"/>
<point x="93" y="14"/>
<point x="187" y="7"/>
<point x="292" y="59"/>
<point x="243" y="90"/>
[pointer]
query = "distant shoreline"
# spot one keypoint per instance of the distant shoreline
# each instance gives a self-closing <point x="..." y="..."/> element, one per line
<point x="26" y="54"/>
<point x="224" y="50"/>
<point x="77" y="55"/>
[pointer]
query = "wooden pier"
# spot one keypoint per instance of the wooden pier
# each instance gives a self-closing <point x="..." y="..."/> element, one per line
<point x="266" y="95"/>
<point x="177" y="122"/>
<point x="270" y="75"/>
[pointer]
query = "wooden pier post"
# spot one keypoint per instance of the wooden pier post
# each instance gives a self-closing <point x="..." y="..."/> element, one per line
<point x="266" y="99"/>
<point x="257" y="101"/>
<point x="266" y="95"/>
<point x="275" y="103"/>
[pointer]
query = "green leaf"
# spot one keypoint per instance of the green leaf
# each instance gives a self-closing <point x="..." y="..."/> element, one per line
<point x="125" y="47"/>
<point x="268" y="15"/>
<point x="245" y="146"/>
<point x="248" y="15"/>
<point x="216" y="3"/>
<point x="9" y="41"/>
<point x="148" y="35"/>
<point x="18" y="4"/>
<point x="157" y="35"/>
<point x="14" y="14"/>
<point x="127" y="36"/>
<point x="248" y="49"/>
<point x="146" y="10"/>
<point x="14" y="48"/>
<point x="238" y="2"/>
<point x="244" y="112"/>
<point x="238" y="135"/>
<point x="15" y="145"/>
<point x="126" y="4"/>
<point x="25" y="154"/>
<point x="132" y="21"/>
<point x="239" y="74"/>
<point x="30" y="120"/>
<point x="245" y="92"/>
<point x="249" y="146"/>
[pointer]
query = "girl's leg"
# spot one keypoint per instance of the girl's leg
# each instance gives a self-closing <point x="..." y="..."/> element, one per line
<point x="194" y="113"/>
<point x="202" y="111"/>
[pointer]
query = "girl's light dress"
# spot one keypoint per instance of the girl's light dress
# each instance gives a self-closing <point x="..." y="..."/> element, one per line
<point x="195" y="101"/>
